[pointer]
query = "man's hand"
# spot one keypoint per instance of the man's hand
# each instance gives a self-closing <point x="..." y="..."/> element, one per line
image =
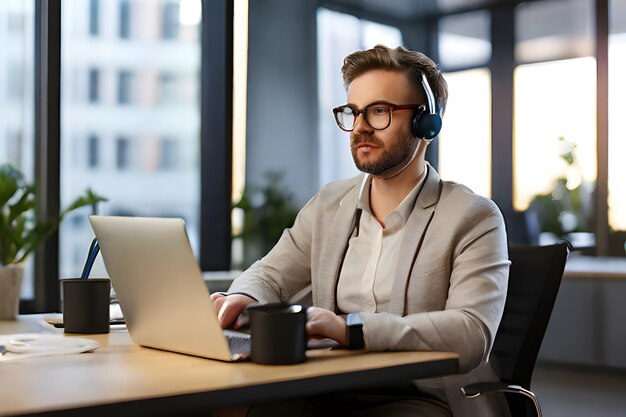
<point x="228" y="308"/>
<point x="324" y="323"/>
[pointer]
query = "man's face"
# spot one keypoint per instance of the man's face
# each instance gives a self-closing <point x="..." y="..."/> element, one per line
<point x="375" y="151"/>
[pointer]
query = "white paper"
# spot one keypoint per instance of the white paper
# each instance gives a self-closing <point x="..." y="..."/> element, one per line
<point x="28" y="345"/>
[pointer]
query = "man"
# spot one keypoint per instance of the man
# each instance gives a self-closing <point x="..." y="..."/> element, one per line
<point x="420" y="262"/>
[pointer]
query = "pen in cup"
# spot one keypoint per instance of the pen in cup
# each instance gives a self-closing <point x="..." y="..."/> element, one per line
<point x="91" y="257"/>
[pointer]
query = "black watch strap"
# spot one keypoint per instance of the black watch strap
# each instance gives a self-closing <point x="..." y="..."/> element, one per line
<point x="354" y="331"/>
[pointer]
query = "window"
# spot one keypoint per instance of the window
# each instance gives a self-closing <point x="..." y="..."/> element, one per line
<point x="169" y="157"/>
<point x="120" y="144"/>
<point x="94" y="16"/>
<point x="465" y="139"/>
<point x="464" y="40"/>
<point x="617" y="128"/>
<point x="124" y="87"/>
<point x="339" y="34"/>
<point x="168" y="89"/>
<point x="541" y="158"/>
<point x="170" y="21"/>
<point x="124" y="19"/>
<point x="617" y="132"/>
<point x="122" y="153"/>
<point x="94" y="85"/>
<point x="17" y="34"/>
<point x="93" y="154"/>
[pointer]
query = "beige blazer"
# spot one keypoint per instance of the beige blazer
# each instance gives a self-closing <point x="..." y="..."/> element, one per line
<point x="449" y="288"/>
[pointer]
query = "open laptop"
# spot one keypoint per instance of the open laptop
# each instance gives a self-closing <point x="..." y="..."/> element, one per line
<point x="159" y="285"/>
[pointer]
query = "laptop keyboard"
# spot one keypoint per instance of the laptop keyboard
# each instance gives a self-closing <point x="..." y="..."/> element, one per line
<point x="238" y="342"/>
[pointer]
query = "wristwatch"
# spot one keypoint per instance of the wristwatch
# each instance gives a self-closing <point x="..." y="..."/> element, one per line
<point x="354" y="331"/>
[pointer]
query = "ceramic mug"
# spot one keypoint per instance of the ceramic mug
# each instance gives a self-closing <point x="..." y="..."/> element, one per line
<point x="278" y="333"/>
<point x="86" y="305"/>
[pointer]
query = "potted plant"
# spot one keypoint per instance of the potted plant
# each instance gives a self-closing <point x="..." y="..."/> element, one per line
<point x="267" y="211"/>
<point x="21" y="232"/>
<point x="566" y="211"/>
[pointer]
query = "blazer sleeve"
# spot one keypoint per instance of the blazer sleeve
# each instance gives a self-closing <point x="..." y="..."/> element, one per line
<point x="286" y="269"/>
<point x="476" y="294"/>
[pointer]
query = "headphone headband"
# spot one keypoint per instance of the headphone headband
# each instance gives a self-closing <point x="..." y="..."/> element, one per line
<point x="430" y="96"/>
<point x="427" y="126"/>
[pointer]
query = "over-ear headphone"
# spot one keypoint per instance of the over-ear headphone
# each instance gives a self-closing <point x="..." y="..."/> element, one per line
<point x="427" y="122"/>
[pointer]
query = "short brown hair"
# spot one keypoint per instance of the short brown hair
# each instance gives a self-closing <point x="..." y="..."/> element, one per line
<point x="412" y="63"/>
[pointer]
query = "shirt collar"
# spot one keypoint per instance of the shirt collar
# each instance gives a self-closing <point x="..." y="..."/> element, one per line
<point x="404" y="209"/>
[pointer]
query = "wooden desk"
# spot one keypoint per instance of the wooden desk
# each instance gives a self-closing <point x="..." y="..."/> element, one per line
<point x="121" y="378"/>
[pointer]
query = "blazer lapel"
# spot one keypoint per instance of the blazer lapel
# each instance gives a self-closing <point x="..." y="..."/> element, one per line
<point x="335" y="250"/>
<point x="414" y="233"/>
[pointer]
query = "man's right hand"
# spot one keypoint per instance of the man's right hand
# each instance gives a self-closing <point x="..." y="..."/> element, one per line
<point x="228" y="308"/>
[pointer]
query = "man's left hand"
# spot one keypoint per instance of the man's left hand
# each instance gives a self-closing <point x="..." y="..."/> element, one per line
<point x="323" y="323"/>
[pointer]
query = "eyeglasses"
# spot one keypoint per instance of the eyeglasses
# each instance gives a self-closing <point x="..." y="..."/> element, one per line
<point x="377" y="115"/>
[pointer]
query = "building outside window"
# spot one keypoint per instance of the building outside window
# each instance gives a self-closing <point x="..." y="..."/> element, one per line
<point x="17" y="35"/>
<point x="118" y="139"/>
<point x="93" y="151"/>
<point x="94" y="17"/>
<point x="168" y="154"/>
<point x="168" y="85"/>
<point x="122" y="153"/>
<point x="124" y="19"/>
<point x="93" y="85"/>
<point x="15" y="80"/>
<point x="124" y="87"/>
<point x="170" y="21"/>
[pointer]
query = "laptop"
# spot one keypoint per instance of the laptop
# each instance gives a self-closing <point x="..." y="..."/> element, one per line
<point x="159" y="285"/>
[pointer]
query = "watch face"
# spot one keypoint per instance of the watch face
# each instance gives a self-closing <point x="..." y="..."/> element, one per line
<point x="354" y="319"/>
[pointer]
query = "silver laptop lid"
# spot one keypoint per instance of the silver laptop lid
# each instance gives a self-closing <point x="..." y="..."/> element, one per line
<point x="159" y="285"/>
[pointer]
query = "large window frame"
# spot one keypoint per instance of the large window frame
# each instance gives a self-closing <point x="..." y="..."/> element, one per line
<point x="215" y="142"/>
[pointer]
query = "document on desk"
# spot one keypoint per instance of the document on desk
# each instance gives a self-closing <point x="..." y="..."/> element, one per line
<point x="28" y="345"/>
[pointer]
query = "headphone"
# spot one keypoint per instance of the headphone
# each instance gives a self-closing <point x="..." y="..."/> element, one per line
<point x="427" y="122"/>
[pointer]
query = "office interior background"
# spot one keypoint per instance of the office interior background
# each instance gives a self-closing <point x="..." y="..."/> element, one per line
<point x="175" y="107"/>
<point x="529" y="81"/>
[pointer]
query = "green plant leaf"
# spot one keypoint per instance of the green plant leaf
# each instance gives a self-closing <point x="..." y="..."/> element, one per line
<point x="20" y="230"/>
<point x="34" y="237"/>
<point x="10" y="180"/>
<point x="89" y="199"/>
<point x="25" y="203"/>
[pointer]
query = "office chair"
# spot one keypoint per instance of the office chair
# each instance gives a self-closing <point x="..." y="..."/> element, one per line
<point x="534" y="278"/>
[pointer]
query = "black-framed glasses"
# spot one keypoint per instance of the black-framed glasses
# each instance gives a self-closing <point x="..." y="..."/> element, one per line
<point x="377" y="115"/>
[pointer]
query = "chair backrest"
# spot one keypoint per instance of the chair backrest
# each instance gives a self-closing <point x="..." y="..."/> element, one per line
<point x="534" y="280"/>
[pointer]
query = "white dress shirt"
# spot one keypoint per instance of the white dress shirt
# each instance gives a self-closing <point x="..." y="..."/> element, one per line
<point x="370" y="263"/>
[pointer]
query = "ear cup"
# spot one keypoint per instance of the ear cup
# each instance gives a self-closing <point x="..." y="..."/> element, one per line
<point x="426" y="125"/>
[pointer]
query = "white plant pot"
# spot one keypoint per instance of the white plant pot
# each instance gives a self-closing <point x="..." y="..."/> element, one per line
<point x="10" y="286"/>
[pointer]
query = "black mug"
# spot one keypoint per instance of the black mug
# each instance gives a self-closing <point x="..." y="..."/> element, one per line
<point x="86" y="305"/>
<point x="278" y="333"/>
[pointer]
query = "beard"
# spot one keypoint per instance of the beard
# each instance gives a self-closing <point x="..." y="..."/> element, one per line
<point x="390" y="156"/>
